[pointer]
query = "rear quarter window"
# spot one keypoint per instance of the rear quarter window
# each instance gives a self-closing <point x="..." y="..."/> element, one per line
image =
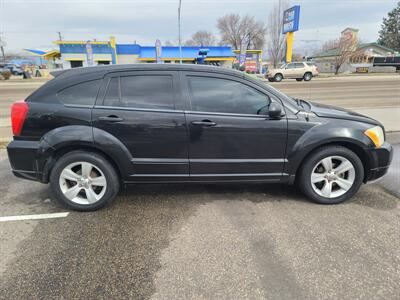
<point x="84" y="93"/>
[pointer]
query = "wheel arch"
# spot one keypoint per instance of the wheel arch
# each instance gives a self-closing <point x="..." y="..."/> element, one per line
<point x="70" y="138"/>
<point x="353" y="146"/>
<point x="57" y="154"/>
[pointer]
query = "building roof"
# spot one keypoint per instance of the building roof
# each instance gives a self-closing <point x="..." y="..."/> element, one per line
<point x="188" y="52"/>
<point x="335" y="51"/>
<point x="149" y="52"/>
<point x="36" y="52"/>
<point x="128" y="49"/>
<point x="351" y="29"/>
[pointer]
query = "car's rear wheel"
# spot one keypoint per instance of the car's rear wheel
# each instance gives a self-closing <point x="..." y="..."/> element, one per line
<point x="307" y="76"/>
<point x="331" y="175"/>
<point x="84" y="181"/>
<point x="278" y="77"/>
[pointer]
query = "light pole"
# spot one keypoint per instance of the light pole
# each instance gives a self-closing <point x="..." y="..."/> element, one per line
<point x="179" y="31"/>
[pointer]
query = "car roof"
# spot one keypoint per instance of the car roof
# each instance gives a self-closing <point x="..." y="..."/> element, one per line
<point x="143" y="67"/>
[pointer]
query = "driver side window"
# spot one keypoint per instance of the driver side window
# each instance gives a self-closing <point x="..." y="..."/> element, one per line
<point x="226" y="96"/>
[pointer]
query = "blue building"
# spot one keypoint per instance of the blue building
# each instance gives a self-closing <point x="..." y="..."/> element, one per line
<point x="90" y="53"/>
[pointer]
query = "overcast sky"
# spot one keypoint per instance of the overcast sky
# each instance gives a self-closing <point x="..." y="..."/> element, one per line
<point x="34" y="23"/>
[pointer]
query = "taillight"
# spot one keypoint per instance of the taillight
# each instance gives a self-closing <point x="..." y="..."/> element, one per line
<point x="19" y="110"/>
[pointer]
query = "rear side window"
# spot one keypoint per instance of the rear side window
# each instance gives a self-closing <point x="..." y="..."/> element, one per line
<point x="113" y="94"/>
<point x="80" y="94"/>
<point x="149" y="91"/>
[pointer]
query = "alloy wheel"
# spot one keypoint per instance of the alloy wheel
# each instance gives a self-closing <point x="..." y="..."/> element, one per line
<point x="333" y="176"/>
<point x="82" y="183"/>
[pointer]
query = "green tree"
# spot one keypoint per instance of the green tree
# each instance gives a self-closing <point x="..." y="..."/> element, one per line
<point x="389" y="35"/>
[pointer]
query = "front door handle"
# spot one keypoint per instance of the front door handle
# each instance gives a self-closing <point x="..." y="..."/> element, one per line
<point x="111" y="118"/>
<point x="206" y="123"/>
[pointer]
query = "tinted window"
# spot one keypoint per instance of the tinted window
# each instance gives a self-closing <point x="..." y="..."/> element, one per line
<point x="299" y="65"/>
<point x="226" y="96"/>
<point x="112" y="96"/>
<point x="290" y="66"/>
<point x="147" y="92"/>
<point x="80" y="94"/>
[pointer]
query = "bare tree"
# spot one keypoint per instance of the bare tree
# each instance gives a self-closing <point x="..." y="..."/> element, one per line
<point x="346" y="48"/>
<point x="329" y="45"/>
<point x="241" y="31"/>
<point x="276" y="40"/>
<point x="169" y="43"/>
<point x="202" y="38"/>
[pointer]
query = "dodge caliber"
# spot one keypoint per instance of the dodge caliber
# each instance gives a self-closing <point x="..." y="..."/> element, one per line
<point x="89" y="131"/>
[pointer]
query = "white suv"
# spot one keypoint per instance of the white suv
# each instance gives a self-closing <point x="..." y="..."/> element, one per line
<point x="294" y="70"/>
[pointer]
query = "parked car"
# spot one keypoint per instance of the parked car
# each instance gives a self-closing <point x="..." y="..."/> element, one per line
<point x="15" y="69"/>
<point x="90" y="131"/>
<point x="295" y="70"/>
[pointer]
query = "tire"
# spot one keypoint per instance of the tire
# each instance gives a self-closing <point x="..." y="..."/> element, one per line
<point x="67" y="178"/>
<point x="313" y="169"/>
<point x="307" y="76"/>
<point x="278" y="77"/>
<point x="299" y="79"/>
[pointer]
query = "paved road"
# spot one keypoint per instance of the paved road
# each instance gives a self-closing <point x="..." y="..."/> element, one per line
<point x="203" y="242"/>
<point x="349" y="92"/>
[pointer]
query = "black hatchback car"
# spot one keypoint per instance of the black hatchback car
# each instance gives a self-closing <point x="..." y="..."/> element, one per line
<point x="89" y="131"/>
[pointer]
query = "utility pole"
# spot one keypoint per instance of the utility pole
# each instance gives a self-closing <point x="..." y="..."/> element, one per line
<point x="179" y="31"/>
<point x="2" y="44"/>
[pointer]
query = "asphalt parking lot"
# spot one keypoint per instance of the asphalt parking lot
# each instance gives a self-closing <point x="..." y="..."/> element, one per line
<point x="203" y="242"/>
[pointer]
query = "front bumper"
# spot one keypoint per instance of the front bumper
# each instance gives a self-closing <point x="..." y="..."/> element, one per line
<point x="380" y="159"/>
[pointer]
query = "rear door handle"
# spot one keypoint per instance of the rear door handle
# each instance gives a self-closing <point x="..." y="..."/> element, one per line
<point x="206" y="123"/>
<point x="111" y="118"/>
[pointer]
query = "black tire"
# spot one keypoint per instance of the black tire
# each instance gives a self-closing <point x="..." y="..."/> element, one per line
<point x="299" y="79"/>
<point x="100" y="162"/>
<point x="304" y="174"/>
<point x="278" y="77"/>
<point x="307" y="76"/>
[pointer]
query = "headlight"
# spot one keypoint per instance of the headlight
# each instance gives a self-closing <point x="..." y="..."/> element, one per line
<point x="376" y="135"/>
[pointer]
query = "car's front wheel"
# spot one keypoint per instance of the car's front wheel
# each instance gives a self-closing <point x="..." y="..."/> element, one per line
<point x="331" y="175"/>
<point x="84" y="181"/>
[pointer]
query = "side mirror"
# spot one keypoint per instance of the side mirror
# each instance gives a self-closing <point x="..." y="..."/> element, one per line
<point x="275" y="110"/>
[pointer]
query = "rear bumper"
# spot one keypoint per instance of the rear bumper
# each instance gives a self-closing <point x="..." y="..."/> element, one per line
<point x="23" y="159"/>
<point x="380" y="159"/>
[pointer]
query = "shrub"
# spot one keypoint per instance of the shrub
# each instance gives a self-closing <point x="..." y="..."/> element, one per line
<point x="5" y="74"/>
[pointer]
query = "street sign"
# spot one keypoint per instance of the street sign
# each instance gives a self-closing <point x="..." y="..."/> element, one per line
<point x="291" y="18"/>
<point x="158" y="51"/>
<point x="201" y="55"/>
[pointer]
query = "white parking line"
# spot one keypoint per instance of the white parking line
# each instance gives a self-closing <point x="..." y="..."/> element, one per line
<point x="34" y="217"/>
